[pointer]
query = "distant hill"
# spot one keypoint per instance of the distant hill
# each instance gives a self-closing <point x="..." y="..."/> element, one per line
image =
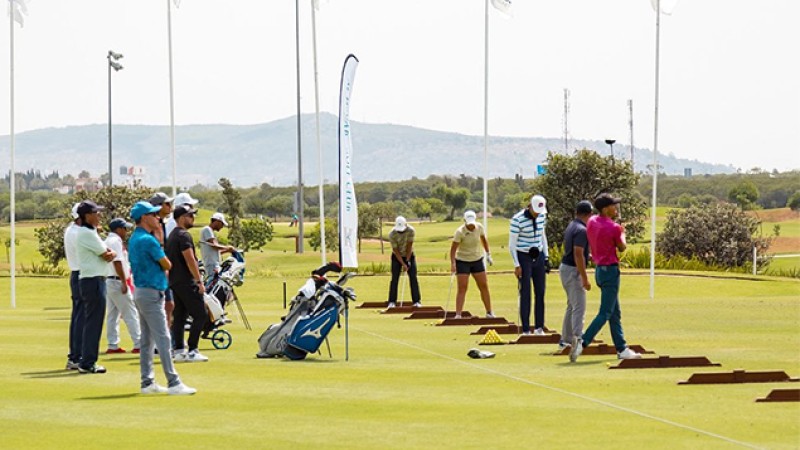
<point x="254" y="154"/>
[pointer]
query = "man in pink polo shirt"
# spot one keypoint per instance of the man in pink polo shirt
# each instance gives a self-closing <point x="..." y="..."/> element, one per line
<point x="606" y="237"/>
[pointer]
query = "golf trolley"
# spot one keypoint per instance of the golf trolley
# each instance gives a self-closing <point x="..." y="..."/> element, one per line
<point x="219" y="294"/>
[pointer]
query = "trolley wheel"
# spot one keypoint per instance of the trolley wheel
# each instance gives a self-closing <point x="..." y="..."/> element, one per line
<point x="221" y="339"/>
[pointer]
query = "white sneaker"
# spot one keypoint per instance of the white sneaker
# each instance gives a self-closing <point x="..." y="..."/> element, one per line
<point x="195" y="356"/>
<point x="562" y="345"/>
<point x="577" y="349"/>
<point x="416" y="304"/>
<point x="538" y="332"/>
<point x="490" y="315"/>
<point x="390" y="305"/>
<point x="179" y="355"/>
<point x="154" y="388"/>
<point x="457" y="316"/>
<point x="628" y="354"/>
<point x="181" y="389"/>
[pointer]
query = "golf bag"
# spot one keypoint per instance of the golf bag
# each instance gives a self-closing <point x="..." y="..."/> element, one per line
<point x="219" y="293"/>
<point x="312" y="314"/>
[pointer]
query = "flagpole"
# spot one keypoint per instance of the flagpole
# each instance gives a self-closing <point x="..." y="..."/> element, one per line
<point x="171" y="102"/>
<point x="12" y="179"/>
<point x="655" y="161"/>
<point x="319" y="144"/>
<point x="485" y="114"/>
<point x="300" y="220"/>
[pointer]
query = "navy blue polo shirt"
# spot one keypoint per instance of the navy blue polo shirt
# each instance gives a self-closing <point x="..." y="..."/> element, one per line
<point x="575" y="234"/>
<point x="144" y="252"/>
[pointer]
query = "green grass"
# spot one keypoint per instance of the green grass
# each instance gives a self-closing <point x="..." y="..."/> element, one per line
<point x="410" y="385"/>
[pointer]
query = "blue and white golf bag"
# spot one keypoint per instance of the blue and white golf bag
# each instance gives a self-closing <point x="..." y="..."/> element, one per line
<point x="312" y="314"/>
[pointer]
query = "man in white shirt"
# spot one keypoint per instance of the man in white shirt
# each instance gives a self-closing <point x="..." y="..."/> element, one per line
<point x="182" y="199"/>
<point x="119" y="297"/>
<point x="76" y="318"/>
<point x="93" y="259"/>
<point x="210" y="248"/>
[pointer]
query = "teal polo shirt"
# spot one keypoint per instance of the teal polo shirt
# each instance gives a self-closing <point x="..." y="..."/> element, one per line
<point x="144" y="252"/>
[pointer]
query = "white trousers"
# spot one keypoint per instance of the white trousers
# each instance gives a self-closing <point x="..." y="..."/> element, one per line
<point x="120" y="305"/>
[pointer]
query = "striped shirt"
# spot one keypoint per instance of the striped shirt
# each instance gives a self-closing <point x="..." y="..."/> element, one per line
<point x="526" y="234"/>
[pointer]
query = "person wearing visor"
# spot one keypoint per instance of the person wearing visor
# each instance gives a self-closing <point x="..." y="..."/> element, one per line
<point x="606" y="238"/>
<point x="403" y="260"/>
<point x="527" y="242"/>
<point x="467" y="254"/>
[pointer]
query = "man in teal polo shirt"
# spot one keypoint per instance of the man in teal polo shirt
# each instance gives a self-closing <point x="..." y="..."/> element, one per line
<point x="148" y="263"/>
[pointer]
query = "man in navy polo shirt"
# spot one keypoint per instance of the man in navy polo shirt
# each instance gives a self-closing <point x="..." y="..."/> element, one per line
<point x="148" y="263"/>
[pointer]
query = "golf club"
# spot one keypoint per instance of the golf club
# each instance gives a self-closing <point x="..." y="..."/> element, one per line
<point x="402" y="286"/>
<point x="449" y="292"/>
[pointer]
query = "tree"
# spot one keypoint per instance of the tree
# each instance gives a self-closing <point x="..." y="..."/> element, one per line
<point x="455" y="198"/>
<point x="369" y="222"/>
<point x="744" y="194"/>
<point x="717" y="235"/>
<point x="256" y="233"/>
<point x="582" y="176"/>
<point x="280" y="205"/>
<point x="794" y="202"/>
<point x="331" y="236"/>
<point x="385" y="211"/>
<point x="421" y="208"/>
<point x="232" y="205"/>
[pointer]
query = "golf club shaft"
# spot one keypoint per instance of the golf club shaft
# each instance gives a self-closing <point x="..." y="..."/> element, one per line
<point x="402" y="286"/>
<point x="449" y="292"/>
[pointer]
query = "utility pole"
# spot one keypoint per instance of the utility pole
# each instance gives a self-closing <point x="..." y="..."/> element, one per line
<point x="566" y="120"/>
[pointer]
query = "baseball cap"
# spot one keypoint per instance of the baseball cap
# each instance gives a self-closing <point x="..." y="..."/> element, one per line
<point x="470" y="216"/>
<point x="119" y="222"/>
<point x="142" y="208"/>
<point x="583" y="207"/>
<point x="604" y="200"/>
<point x="88" y="207"/>
<point x="184" y="199"/>
<point x="183" y="210"/>
<point x="400" y="224"/>
<point x="74" y="212"/>
<point x="220" y="217"/>
<point x="159" y="198"/>
<point x="539" y="204"/>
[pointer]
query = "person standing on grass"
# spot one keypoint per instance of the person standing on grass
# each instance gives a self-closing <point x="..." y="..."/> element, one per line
<point x="466" y="257"/>
<point x="187" y="286"/>
<point x="76" y="318"/>
<point x="572" y="272"/>
<point x="527" y="242"/>
<point x="149" y="263"/>
<point x="93" y="259"/>
<point x="119" y="295"/>
<point x="210" y="248"/>
<point x="163" y="201"/>
<point x="606" y="238"/>
<point x="403" y="260"/>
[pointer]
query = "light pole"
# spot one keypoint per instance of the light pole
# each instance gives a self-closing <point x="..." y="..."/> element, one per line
<point x="112" y="64"/>
<point x="610" y="143"/>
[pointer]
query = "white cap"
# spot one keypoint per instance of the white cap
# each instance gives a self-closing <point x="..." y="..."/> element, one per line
<point x="539" y="204"/>
<point x="400" y="224"/>
<point x="470" y="216"/>
<point x="220" y="217"/>
<point x="184" y="199"/>
<point x="74" y="212"/>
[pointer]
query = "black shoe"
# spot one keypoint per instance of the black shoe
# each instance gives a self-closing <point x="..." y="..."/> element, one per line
<point x="94" y="369"/>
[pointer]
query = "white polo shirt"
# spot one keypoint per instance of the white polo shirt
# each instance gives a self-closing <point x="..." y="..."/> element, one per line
<point x="90" y="247"/>
<point x="71" y="246"/>
<point x="114" y="242"/>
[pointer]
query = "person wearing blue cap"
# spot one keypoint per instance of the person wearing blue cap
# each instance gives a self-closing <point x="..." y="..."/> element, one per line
<point x="572" y="272"/>
<point x="93" y="259"/>
<point x="119" y="296"/>
<point x="149" y="263"/>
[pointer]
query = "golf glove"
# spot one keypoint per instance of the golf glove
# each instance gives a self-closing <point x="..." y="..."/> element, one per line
<point x="547" y="267"/>
<point x="489" y="259"/>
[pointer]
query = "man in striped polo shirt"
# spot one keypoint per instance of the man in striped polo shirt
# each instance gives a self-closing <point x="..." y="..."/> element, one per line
<point x="527" y="243"/>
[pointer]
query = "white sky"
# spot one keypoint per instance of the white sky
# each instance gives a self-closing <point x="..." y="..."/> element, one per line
<point x="729" y="70"/>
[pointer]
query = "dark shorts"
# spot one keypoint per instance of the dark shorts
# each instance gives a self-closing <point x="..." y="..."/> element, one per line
<point x="467" y="267"/>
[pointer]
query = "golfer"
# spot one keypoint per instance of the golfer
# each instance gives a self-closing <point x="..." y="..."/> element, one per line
<point x="210" y="248"/>
<point x="119" y="297"/>
<point x="163" y="201"/>
<point x="606" y="237"/>
<point x="467" y="257"/>
<point x="76" y="318"/>
<point x="403" y="259"/>
<point x="573" y="274"/>
<point x="527" y="242"/>
<point x="148" y="263"/>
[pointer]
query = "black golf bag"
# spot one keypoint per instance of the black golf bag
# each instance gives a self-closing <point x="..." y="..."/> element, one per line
<point x="312" y="314"/>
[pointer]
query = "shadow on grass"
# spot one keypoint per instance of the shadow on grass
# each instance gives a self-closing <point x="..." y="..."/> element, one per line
<point x="57" y="308"/>
<point x="58" y="318"/>
<point x="112" y="397"/>
<point x="580" y="363"/>
<point x="59" y="373"/>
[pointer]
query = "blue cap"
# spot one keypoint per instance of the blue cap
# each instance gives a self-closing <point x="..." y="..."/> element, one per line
<point x="119" y="222"/>
<point x="142" y="208"/>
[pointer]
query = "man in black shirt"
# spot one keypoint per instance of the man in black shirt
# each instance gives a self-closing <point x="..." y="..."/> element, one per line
<point x="187" y="286"/>
<point x="573" y="274"/>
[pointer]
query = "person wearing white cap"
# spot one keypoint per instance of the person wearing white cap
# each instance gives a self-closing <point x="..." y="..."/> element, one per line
<point x="210" y="248"/>
<point x="403" y="259"/>
<point x="466" y="257"/>
<point x="76" y="318"/>
<point x="527" y="242"/>
<point x="182" y="199"/>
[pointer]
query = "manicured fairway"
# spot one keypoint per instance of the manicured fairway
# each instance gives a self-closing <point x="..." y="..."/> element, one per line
<point x="410" y="385"/>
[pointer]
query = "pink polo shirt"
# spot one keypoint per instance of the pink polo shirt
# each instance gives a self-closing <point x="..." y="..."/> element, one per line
<point x="603" y="234"/>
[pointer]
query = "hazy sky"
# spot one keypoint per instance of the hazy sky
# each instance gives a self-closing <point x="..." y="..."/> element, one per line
<point x="729" y="70"/>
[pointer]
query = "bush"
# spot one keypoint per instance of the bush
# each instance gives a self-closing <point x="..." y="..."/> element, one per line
<point x="715" y="235"/>
<point x="256" y="233"/>
<point x="794" y="202"/>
